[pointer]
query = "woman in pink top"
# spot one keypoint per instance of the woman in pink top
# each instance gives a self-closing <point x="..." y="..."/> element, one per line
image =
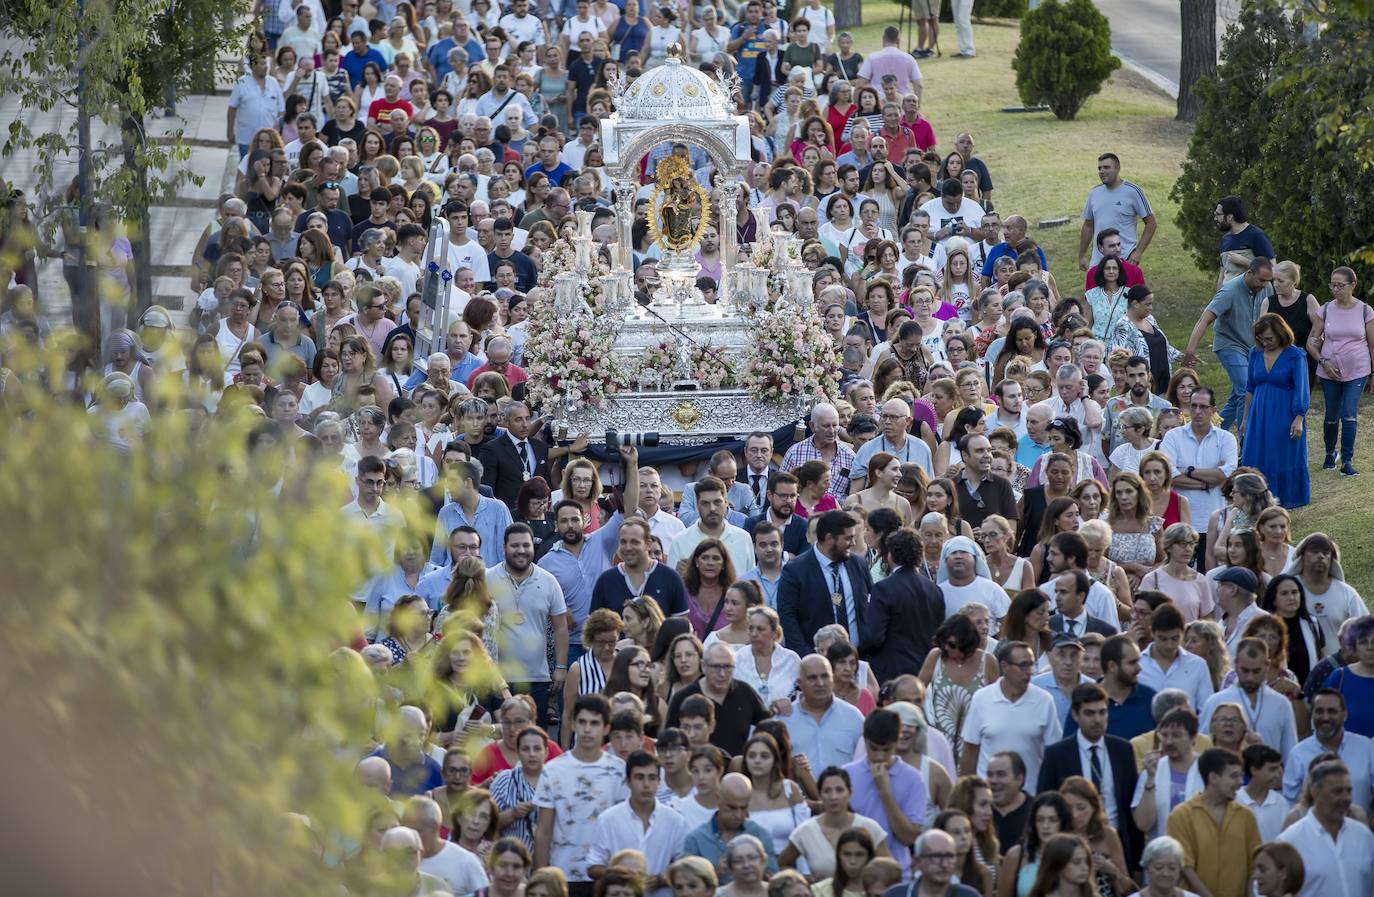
<point x="1342" y="341"/>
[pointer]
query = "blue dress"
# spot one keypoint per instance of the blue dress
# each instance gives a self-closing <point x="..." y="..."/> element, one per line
<point x="1278" y="396"/>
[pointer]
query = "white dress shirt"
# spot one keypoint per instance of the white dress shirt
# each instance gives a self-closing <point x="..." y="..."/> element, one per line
<point x="620" y="828"/>
<point x="1269" y="815"/>
<point x="1270" y="715"/>
<point x="1188" y="673"/>
<point x="1105" y="790"/>
<point x="1216" y="449"/>
<point x="1336" y="867"/>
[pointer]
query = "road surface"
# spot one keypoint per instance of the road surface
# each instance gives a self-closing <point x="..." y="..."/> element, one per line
<point x="1148" y="33"/>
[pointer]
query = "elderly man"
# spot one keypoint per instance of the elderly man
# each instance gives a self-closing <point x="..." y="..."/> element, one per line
<point x="1014" y="232"/>
<point x="256" y="103"/>
<point x="412" y="770"/>
<point x="722" y="466"/>
<point x="499" y="353"/>
<point x="731" y="819"/>
<point x="964" y="578"/>
<point x="462" y="872"/>
<point x="1070" y="399"/>
<point x="1337" y="851"/>
<point x="894" y="418"/>
<point x="933" y="857"/>
<point x="737" y="706"/>
<point x="823" y="729"/>
<point x="823" y="444"/>
<point x="285" y="337"/>
<point x="1236" y="590"/>
<point x="380" y="110"/>
<point x="402" y="854"/>
<point x="374" y="773"/>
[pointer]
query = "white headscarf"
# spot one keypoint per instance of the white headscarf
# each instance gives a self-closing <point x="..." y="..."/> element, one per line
<point x="963" y="543"/>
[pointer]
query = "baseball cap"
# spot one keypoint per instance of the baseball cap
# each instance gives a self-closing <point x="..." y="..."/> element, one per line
<point x="1064" y="640"/>
<point x="1239" y="577"/>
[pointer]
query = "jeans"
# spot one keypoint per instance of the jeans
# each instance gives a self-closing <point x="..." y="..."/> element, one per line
<point x="1237" y="364"/>
<point x="1342" y="414"/>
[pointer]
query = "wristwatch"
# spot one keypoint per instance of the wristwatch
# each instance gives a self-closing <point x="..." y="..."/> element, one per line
<point x="1189" y="472"/>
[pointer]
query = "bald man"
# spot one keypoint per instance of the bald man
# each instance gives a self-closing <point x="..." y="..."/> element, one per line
<point x="460" y="870"/>
<point x="403" y="849"/>
<point x="824" y="730"/>
<point x="412" y="770"/>
<point x="731" y="818"/>
<point x="374" y="773"/>
<point x="823" y="444"/>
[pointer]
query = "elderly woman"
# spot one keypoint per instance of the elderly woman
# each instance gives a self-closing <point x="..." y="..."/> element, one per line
<point x="407" y="628"/>
<point x="516" y="715"/>
<point x="765" y="665"/>
<point x="1163" y="861"/>
<point x="746" y="862"/>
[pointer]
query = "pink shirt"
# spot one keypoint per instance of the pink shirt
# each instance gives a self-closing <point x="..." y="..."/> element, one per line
<point x="1343" y="341"/>
<point x="891" y="61"/>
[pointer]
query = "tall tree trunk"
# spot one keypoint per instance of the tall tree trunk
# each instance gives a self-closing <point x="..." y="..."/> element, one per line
<point x="1199" y="56"/>
<point x="139" y="218"/>
<point x="848" y="13"/>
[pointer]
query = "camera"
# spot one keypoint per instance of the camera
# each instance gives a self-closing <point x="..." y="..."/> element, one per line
<point x="639" y="440"/>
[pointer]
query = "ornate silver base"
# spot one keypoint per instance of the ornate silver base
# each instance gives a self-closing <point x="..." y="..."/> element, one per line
<point x="685" y="418"/>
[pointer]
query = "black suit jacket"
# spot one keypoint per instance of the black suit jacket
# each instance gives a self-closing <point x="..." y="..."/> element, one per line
<point x="1095" y="624"/>
<point x="793" y="535"/>
<point x="1061" y="761"/>
<point x="804" y="598"/>
<point x="904" y="611"/>
<point x="503" y="470"/>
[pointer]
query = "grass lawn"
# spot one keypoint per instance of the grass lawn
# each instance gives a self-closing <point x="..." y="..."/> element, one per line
<point x="1042" y="168"/>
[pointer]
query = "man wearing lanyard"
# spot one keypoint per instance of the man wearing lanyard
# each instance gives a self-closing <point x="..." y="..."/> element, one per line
<point x="1270" y="713"/>
<point x="758" y="464"/>
<point x="895" y="420"/>
<point x="508" y="463"/>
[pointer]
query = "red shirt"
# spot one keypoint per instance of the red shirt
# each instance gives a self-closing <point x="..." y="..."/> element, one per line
<point x="837" y="120"/>
<point x="490" y="761"/>
<point x="514" y="374"/>
<point x="384" y="106"/>
<point x="925" y="134"/>
<point x="899" y="143"/>
<point x="1132" y="273"/>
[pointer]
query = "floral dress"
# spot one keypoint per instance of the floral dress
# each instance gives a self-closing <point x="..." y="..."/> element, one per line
<point x="1136" y="548"/>
<point x="947" y="704"/>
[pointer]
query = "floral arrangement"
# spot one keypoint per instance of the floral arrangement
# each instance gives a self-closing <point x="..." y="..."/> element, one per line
<point x="708" y="369"/>
<point x="658" y="362"/>
<point x="570" y="358"/>
<point x="792" y="356"/>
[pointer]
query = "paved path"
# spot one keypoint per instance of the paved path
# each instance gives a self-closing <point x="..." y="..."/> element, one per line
<point x="1148" y="34"/>
<point x="176" y="226"/>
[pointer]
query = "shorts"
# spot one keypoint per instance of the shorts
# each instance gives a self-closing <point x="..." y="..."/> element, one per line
<point x="925" y="9"/>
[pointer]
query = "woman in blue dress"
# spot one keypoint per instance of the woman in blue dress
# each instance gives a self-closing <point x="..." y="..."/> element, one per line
<point x="1276" y="399"/>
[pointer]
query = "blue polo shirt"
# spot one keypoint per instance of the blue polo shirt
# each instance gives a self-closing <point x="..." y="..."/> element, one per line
<point x="555" y="176"/>
<point x="1126" y="720"/>
<point x="490" y="521"/>
<point x="829" y="742"/>
<point x="577" y="574"/>
<point x="418" y="778"/>
<point x="612" y="590"/>
<point x="354" y="64"/>
<point x="705" y="841"/>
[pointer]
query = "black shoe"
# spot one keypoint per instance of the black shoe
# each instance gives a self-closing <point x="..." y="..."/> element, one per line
<point x="1348" y="470"/>
<point x="1330" y="462"/>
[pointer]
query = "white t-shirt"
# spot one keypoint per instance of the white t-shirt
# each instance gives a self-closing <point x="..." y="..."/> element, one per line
<point x="1024" y="727"/>
<point x="460" y="868"/>
<point x="523" y="28"/>
<point x="982" y="590"/>
<point x="969" y="212"/>
<point x="408" y="273"/>
<point x="470" y="255"/>
<point x="573" y="28"/>
<point x="578" y="793"/>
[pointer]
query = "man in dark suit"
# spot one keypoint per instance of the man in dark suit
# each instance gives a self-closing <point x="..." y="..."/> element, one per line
<point x="824" y="584"/>
<point x="1105" y="760"/>
<point x="1070" y="593"/>
<point x="780" y="506"/>
<point x="904" y="611"/>
<point x="508" y="461"/>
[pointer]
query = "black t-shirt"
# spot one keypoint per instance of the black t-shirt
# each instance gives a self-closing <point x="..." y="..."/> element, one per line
<point x="332" y="133"/>
<point x="743" y="709"/>
<point x="848" y="69"/>
<point x="1010" y="826"/>
<point x="583" y="74"/>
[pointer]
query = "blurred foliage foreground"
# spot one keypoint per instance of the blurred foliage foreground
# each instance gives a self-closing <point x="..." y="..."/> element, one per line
<point x="173" y="684"/>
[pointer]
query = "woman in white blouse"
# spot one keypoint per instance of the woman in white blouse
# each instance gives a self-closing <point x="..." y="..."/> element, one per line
<point x="709" y="39"/>
<point x="764" y="664"/>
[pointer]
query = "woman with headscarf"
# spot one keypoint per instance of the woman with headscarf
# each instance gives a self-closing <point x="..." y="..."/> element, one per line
<point x="124" y="355"/>
<point x="126" y="418"/>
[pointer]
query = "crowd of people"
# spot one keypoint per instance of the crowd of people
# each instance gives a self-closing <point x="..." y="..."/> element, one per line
<point x="1019" y="615"/>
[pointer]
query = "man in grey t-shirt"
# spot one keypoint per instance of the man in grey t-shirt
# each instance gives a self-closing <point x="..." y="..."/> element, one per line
<point x="1234" y="309"/>
<point x="527" y="598"/>
<point x="1115" y="203"/>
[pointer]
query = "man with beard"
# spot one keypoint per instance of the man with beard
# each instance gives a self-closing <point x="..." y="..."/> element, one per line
<point x="528" y="599"/>
<point x="781" y="505"/>
<point x="1330" y="599"/>
<point x="1329" y="735"/>
<point x="1269" y="713"/>
<point x="1128" y="702"/>
<point x="638" y="575"/>
<point x="576" y="560"/>
<point x="1135" y="395"/>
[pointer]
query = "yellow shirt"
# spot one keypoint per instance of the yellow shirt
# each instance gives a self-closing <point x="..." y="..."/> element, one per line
<point x="1220" y="857"/>
<point x="1145" y="742"/>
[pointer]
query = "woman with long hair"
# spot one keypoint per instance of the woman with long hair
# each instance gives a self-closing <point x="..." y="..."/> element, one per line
<point x="884" y="472"/>
<point x="633" y="672"/>
<point x="1048" y="816"/>
<point x="1278" y="870"/>
<point x="1028" y="621"/>
<point x="1107" y="857"/>
<point x="468" y="690"/>
<point x="854" y="849"/>
<point x="1286" y="598"/>
<point x="942" y="498"/>
<point x="960" y="284"/>
<point x="643" y="618"/>
<point x="513" y="790"/>
<point x="1060" y="517"/>
<point x="777" y="803"/>
<point x="1035" y="501"/>
<point x="682" y="664"/>
<point x="589" y="673"/>
<point x="953" y="670"/>
<point x="813" y="489"/>
<point x="1156" y="470"/>
<point x="740" y="598"/>
<point x="1107" y="299"/>
<point x="956" y="824"/>
<point x="1066" y="869"/>
<point x="1024" y="339"/>
<point x="968" y="421"/>
<point x="1205" y="639"/>
<point x="973" y="797"/>
<point x="1342" y="342"/>
<point x="1273" y="526"/>
<point x="888" y="188"/>
<point x="817" y="839"/>
<point x="1137" y="535"/>
<point x="467" y="592"/>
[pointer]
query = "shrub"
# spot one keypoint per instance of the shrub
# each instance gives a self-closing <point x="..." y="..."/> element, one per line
<point x="1064" y="56"/>
<point x="999" y="9"/>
